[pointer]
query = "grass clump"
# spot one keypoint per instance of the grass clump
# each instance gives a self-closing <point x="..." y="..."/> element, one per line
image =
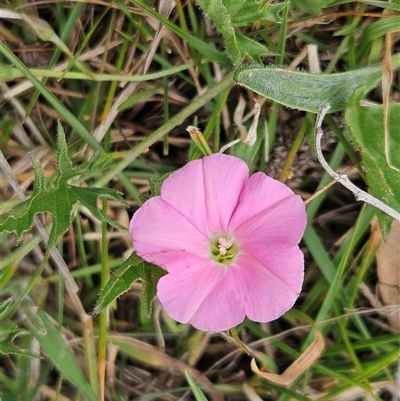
<point x="125" y="80"/>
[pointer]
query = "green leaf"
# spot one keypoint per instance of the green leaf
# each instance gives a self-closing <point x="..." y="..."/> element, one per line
<point x="133" y="269"/>
<point x="6" y="73"/>
<point x="367" y="132"/>
<point x="306" y="91"/>
<point x="217" y="11"/>
<point x="8" y="333"/>
<point x="250" y="48"/>
<point x="58" y="199"/>
<point x="88" y="197"/>
<point x="150" y="276"/>
<point x="155" y="186"/>
<point x="6" y="127"/>
<point x="58" y="351"/>
<point x="156" y="183"/>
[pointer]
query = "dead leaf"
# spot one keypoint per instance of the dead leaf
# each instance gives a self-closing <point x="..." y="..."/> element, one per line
<point x="388" y="261"/>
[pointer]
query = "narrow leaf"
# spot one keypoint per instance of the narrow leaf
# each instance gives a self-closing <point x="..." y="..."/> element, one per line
<point x="298" y="367"/>
<point x="198" y="394"/>
<point x="306" y="91"/>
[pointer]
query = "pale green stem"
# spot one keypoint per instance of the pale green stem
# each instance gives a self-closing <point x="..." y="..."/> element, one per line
<point x="105" y="275"/>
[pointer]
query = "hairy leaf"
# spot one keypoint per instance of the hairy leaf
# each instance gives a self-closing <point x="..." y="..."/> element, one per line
<point x="226" y="14"/>
<point x="156" y="183"/>
<point x="250" y="11"/>
<point x="5" y="307"/>
<point x="306" y="91"/>
<point x="219" y="14"/>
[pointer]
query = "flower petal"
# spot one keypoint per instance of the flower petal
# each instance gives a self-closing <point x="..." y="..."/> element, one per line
<point x="259" y="193"/>
<point x="162" y="235"/>
<point x="206" y="191"/>
<point x="184" y="189"/>
<point x="224" y="307"/>
<point x="283" y="222"/>
<point x="224" y="178"/>
<point x="212" y="304"/>
<point x="270" y="289"/>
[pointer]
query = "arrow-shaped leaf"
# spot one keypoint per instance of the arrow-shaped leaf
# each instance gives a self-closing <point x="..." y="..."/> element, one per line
<point x="8" y="333"/>
<point x="57" y="199"/>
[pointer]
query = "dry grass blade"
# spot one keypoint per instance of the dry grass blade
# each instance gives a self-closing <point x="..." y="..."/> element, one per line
<point x="302" y="363"/>
<point x="387" y="80"/>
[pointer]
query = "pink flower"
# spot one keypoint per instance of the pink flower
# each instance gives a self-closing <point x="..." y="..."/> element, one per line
<point x="229" y="243"/>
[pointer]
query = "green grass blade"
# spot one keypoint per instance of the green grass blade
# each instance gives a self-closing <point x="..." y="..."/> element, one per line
<point x="58" y="351"/>
<point x="54" y="102"/>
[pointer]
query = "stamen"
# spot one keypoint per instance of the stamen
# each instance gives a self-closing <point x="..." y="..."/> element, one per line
<point x="224" y="245"/>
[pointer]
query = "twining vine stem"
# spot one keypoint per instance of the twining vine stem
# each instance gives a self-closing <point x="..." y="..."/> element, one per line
<point x="342" y="178"/>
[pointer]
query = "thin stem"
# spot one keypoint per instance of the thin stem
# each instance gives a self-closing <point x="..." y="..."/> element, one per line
<point x="342" y="178"/>
<point x="105" y="274"/>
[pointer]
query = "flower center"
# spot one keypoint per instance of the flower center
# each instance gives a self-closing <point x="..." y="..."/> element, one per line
<point x="223" y="249"/>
